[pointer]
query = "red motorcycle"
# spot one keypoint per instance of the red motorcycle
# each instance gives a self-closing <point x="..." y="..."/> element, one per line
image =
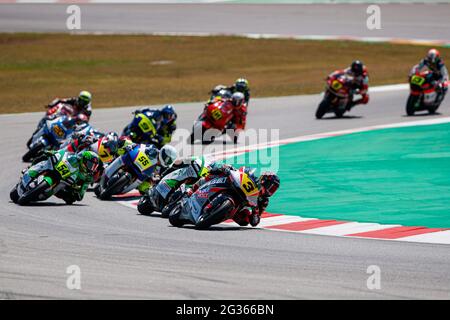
<point x="337" y="96"/>
<point x="423" y="95"/>
<point x="213" y="122"/>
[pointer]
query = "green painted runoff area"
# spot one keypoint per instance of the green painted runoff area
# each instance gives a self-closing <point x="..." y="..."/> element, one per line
<point x="389" y="176"/>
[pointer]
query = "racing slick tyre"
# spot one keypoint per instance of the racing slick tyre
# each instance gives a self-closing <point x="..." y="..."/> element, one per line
<point x="145" y="206"/>
<point x="174" y="217"/>
<point x="221" y="207"/>
<point x="433" y="109"/>
<point x="33" y="194"/>
<point x="32" y="153"/>
<point x="339" y="113"/>
<point x="114" y="187"/>
<point x="322" y="109"/>
<point x="14" y="195"/>
<point x="411" y="105"/>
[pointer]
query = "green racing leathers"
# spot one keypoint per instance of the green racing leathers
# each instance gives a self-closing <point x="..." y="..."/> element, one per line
<point x="55" y="173"/>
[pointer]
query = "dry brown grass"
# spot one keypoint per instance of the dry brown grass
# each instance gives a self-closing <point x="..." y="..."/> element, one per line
<point x="119" y="69"/>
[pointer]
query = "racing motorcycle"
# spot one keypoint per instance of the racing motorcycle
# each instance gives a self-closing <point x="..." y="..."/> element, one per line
<point x="137" y="167"/>
<point x="337" y="96"/>
<point x="168" y="189"/>
<point x="59" y="110"/>
<point x="423" y="95"/>
<point x="216" y="201"/>
<point x="142" y="129"/>
<point x="213" y="122"/>
<point x="50" y="136"/>
<point x="55" y="174"/>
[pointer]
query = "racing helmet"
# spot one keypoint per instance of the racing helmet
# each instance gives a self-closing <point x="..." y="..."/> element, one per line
<point x="111" y="142"/>
<point x="167" y="155"/>
<point x="357" y="68"/>
<point x="433" y="56"/>
<point x="88" y="162"/>
<point x="237" y="99"/>
<point x="241" y="85"/>
<point x="269" y="183"/>
<point x="84" y="98"/>
<point x="168" y="114"/>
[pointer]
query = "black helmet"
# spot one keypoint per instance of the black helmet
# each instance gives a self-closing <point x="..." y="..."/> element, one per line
<point x="269" y="182"/>
<point x="357" y="68"/>
<point x="241" y="84"/>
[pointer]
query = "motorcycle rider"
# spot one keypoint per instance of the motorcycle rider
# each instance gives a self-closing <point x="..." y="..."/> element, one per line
<point x="240" y="85"/>
<point x="359" y="82"/>
<point x="166" y="125"/>
<point x="86" y="163"/>
<point x="81" y="104"/>
<point x="106" y="147"/>
<point x="436" y="65"/>
<point x="166" y="186"/>
<point x="161" y="159"/>
<point x="239" y="106"/>
<point x="268" y="183"/>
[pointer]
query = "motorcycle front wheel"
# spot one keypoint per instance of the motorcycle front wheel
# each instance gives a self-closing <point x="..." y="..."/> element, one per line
<point x="221" y="207"/>
<point x="14" y="195"/>
<point x="32" y="153"/>
<point x="411" y="104"/>
<point x="145" y="206"/>
<point x="114" y="187"/>
<point x="33" y="194"/>
<point x="174" y="216"/>
<point x="324" y="106"/>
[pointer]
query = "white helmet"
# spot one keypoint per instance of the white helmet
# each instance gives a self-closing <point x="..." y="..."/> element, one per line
<point x="167" y="155"/>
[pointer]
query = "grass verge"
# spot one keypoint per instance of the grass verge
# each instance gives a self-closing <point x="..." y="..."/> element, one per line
<point x="141" y="69"/>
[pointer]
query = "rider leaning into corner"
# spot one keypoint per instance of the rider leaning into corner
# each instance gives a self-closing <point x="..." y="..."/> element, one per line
<point x="436" y="65"/>
<point x="161" y="158"/>
<point x="81" y="104"/>
<point x="165" y="122"/>
<point x="268" y="183"/>
<point x="87" y="163"/>
<point x="360" y="82"/>
<point x="238" y="106"/>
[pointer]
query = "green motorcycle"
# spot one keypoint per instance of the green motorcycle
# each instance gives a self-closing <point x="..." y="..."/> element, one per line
<point x="46" y="178"/>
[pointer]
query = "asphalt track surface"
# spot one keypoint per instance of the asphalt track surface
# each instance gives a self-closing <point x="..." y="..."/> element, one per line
<point x="125" y="255"/>
<point x="417" y="21"/>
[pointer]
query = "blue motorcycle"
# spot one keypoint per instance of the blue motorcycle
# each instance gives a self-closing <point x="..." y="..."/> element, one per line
<point x="127" y="172"/>
<point x="50" y="136"/>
